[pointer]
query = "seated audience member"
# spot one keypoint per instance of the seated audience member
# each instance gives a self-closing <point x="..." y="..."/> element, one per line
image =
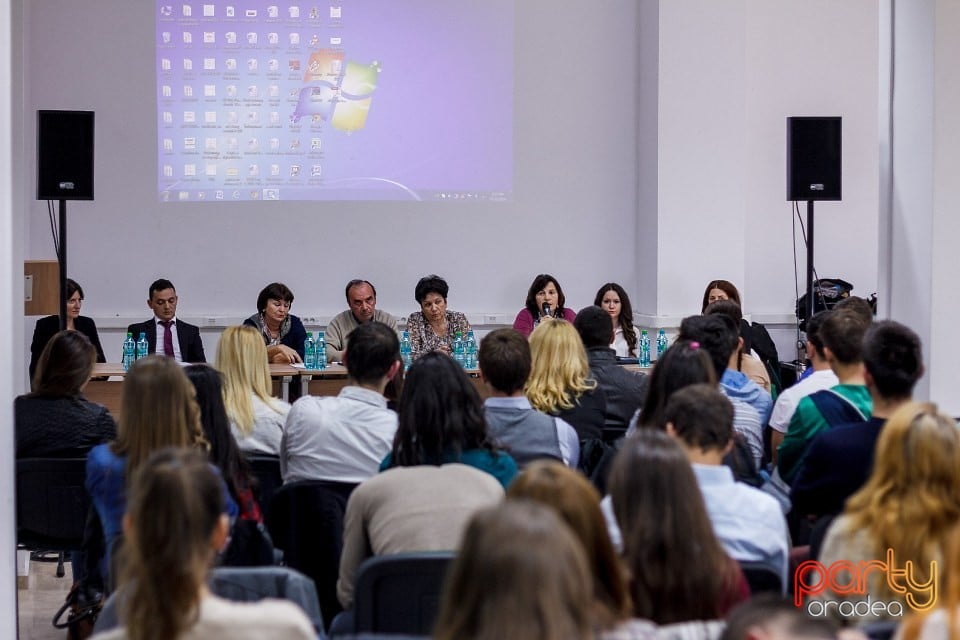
<point x="281" y="331"/>
<point x="48" y="326"/>
<point x="624" y="390"/>
<point x="939" y="621"/>
<point x="577" y="503"/>
<point x="441" y="422"/>
<point x="545" y="301"/>
<point x="559" y="382"/>
<point x="743" y="361"/>
<point x="822" y="377"/>
<point x="224" y="451"/>
<point x="434" y="327"/>
<point x="735" y="383"/>
<point x="856" y="305"/>
<point x="177" y="523"/>
<point x="520" y="573"/>
<point x="362" y="300"/>
<point x="682" y="364"/>
<point x="159" y="410"/>
<point x="344" y="438"/>
<point x="849" y="401"/>
<point x="680" y="571"/>
<point x="443" y="468"/>
<point x="747" y="521"/>
<point x="177" y="339"/>
<point x="525" y="432"/>
<point x="839" y="460"/>
<point x="55" y="421"/>
<point x="717" y="334"/>
<point x="908" y="508"/>
<point x="256" y="418"/>
<point x="612" y="298"/>
<point x="772" y="617"/>
<point x="860" y="307"/>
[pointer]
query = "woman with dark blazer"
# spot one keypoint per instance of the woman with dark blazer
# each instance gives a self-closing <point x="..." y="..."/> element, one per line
<point x="47" y="327"/>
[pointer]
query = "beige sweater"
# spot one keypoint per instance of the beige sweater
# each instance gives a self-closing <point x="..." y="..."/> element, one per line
<point x="404" y="509"/>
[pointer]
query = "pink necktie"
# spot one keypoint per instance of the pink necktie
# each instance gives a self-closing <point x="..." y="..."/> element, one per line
<point x="167" y="338"/>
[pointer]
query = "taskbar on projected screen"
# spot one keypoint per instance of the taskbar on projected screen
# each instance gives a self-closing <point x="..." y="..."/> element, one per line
<point x="313" y="193"/>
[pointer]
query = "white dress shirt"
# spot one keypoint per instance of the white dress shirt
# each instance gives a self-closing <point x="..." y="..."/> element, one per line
<point x="342" y="438"/>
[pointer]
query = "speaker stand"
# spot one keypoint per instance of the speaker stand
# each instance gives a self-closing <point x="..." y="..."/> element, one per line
<point x="810" y="304"/>
<point x="62" y="261"/>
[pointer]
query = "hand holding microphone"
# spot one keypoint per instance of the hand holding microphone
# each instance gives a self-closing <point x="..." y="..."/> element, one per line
<point x="546" y="312"/>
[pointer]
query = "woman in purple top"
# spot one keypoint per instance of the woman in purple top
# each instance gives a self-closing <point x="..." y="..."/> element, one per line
<point x="545" y="301"/>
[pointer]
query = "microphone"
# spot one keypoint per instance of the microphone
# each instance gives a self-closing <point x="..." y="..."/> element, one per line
<point x="546" y="308"/>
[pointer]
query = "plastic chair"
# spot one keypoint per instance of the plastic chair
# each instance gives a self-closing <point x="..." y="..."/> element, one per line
<point x="762" y="578"/>
<point x="400" y="593"/>
<point x="266" y="469"/>
<point x="306" y="522"/>
<point x="52" y="504"/>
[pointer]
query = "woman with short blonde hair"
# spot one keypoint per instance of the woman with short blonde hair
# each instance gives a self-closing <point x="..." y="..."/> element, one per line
<point x="559" y="382"/>
<point x="256" y="417"/>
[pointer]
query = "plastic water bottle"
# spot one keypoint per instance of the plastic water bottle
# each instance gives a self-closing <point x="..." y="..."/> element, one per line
<point x="129" y="352"/>
<point x="470" y="351"/>
<point x="661" y="343"/>
<point x="143" y="347"/>
<point x="406" y="350"/>
<point x="309" y="352"/>
<point x="458" y="349"/>
<point x="644" y="349"/>
<point x="321" y="350"/>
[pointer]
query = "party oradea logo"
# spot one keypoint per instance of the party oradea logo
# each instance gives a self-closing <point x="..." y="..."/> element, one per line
<point x="851" y="579"/>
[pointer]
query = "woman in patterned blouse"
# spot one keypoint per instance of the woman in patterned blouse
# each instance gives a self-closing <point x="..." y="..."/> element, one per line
<point x="434" y="327"/>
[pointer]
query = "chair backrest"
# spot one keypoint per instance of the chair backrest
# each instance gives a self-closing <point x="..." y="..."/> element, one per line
<point x="762" y="578"/>
<point x="266" y="469"/>
<point x="400" y="593"/>
<point x="52" y="502"/>
<point x="250" y="584"/>
<point x="306" y="522"/>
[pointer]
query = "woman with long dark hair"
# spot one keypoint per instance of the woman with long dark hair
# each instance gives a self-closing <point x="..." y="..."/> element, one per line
<point x="441" y="421"/>
<point x="613" y="299"/>
<point x="680" y="571"/>
<point x="55" y="420"/>
<point x="545" y="301"/>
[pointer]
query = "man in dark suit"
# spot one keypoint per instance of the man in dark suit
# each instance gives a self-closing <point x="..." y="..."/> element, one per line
<point x="178" y="339"/>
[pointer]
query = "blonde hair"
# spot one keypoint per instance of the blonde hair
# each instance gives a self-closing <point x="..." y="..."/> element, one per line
<point x="558" y="375"/>
<point x="911" y="501"/>
<point x="175" y="503"/>
<point x="242" y="359"/>
<point x="913" y="624"/>
<point x="159" y="410"/>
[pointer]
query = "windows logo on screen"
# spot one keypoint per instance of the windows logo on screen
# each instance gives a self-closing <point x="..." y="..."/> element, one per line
<point x="339" y="93"/>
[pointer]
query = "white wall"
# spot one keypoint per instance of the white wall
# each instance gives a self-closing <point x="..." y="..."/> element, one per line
<point x="11" y="274"/>
<point x="730" y="74"/>
<point x="649" y="145"/>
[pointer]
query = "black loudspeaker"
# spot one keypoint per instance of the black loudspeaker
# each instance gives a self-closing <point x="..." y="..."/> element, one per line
<point x="813" y="158"/>
<point x="64" y="155"/>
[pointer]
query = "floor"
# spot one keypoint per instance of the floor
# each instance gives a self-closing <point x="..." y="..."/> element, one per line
<point x="39" y="596"/>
